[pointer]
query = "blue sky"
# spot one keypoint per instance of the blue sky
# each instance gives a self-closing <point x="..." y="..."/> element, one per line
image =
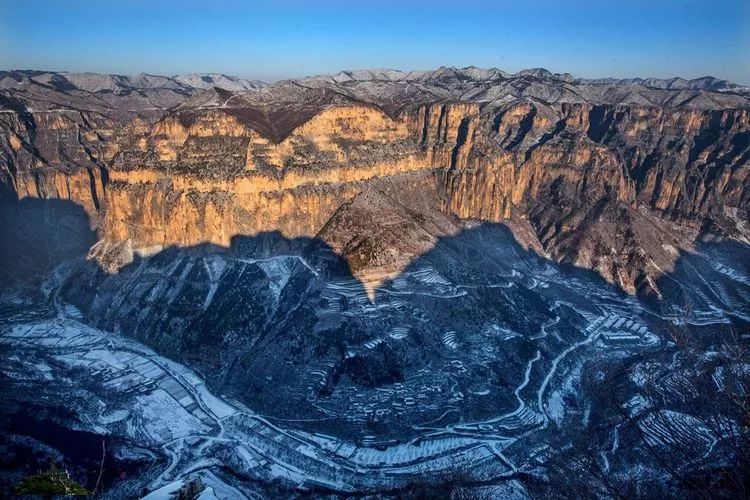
<point x="278" y="39"/>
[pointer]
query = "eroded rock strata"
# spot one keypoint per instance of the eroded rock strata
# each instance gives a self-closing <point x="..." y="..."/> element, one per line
<point x="613" y="176"/>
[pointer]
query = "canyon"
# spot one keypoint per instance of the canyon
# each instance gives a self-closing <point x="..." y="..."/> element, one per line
<point x="462" y="257"/>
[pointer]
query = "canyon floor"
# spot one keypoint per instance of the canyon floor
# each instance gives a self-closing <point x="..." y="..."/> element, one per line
<point x="438" y="394"/>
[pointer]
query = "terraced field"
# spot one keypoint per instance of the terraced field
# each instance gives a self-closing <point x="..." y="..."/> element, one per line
<point x="471" y="371"/>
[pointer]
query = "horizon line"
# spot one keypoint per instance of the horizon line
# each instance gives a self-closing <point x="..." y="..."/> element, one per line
<point x="374" y="69"/>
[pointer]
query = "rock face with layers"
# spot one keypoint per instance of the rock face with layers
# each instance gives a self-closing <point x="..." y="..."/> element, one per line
<point x="608" y="175"/>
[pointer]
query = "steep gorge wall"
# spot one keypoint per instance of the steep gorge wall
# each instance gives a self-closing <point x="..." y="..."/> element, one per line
<point x="616" y="189"/>
<point x="57" y="155"/>
<point x="684" y="163"/>
<point x="681" y="163"/>
<point x="612" y="188"/>
<point x="293" y="186"/>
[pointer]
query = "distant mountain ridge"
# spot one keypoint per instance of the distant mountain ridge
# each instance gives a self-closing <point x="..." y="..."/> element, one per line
<point x="472" y="73"/>
<point x="98" y="82"/>
<point x="101" y="82"/>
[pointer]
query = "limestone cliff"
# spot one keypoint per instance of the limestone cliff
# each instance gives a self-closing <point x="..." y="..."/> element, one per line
<point x="619" y="187"/>
<point x="55" y="155"/>
<point x="211" y="177"/>
<point x="610" y="188"/>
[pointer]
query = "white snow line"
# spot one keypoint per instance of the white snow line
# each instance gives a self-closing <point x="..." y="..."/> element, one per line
<point x="540" y="400"/>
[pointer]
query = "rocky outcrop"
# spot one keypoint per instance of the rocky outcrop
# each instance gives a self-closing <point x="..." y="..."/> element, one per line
<point x="610" y="188"/>
<point x="59" y="155"/>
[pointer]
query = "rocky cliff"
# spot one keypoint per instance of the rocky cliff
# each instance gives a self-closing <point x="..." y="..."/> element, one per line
<point x="609" y="175"/>
<point x="612" y="188"/>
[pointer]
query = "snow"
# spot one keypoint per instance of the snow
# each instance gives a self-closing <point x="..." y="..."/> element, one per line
<point x="107" y="357"/>
<point x="208" y="494"/>
<point x="219" y="408"/>
<point x="637" y="405"/>
<point x="215" y="266"/>
<point x="165" y="419"/>
<point x="165" y="492"/>
<point x="407" y="452"/>
<point x="114" y="416"/>
<point x="556" y="407"/>
<point x="176" y="413"/>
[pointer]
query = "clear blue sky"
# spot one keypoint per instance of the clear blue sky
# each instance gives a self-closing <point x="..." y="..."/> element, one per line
<point x="277" y="39"/>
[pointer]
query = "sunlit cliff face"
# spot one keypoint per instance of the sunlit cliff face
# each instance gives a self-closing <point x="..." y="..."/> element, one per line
<point x="610" y="187"/>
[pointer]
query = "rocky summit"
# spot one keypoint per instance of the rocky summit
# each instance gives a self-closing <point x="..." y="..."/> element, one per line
<point x="378" y="282"/>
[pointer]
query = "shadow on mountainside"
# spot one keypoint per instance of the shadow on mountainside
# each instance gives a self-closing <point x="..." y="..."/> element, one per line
<point x="37" y="235"/>
<point x="282" y="324"/>
<point x="206" y="302"/>
<point x="716" y="277"/>
<point x="270" y="307"/>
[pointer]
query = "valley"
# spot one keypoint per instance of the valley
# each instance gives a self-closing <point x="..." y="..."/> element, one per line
<point x="447" y="418"/>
